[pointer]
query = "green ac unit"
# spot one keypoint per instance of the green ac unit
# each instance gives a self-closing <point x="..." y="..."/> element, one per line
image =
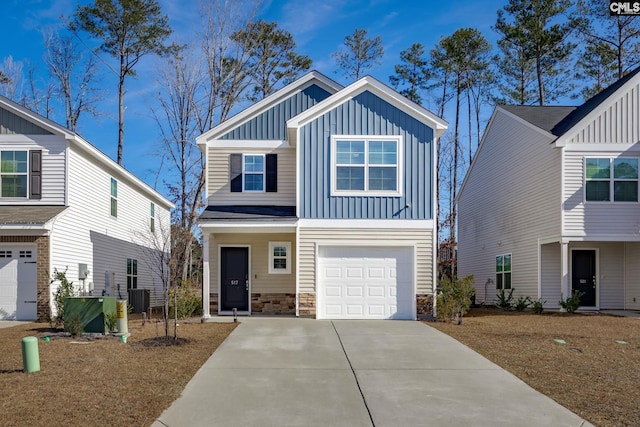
<point x="90" y="311"/>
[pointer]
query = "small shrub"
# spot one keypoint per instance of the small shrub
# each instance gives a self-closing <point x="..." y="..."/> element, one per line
<point x="73" y="325"/>
<point x="572" y="303"/>
<point x="188" y="301"/>
<point x="65" y="289"/>
<point x="505" y="299"/>
<point x="454" y="298"/>
<point x="111" y="321"/>
<point x="538" y="306"/>
<point x="522" y="303"/>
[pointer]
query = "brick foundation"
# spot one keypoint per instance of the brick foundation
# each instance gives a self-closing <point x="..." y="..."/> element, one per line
<point x="42" y="271"/>
<point x="276" y="303"/>
<point x="424" y="306"/>
<point x="307" y="304"/>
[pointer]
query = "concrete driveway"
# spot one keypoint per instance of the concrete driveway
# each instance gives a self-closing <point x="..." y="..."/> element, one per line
<point x="304" y="372"/>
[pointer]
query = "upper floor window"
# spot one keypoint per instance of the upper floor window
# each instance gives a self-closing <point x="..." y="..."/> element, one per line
<point x="13" y="174"/>
<point x="152" y="218"/>
<point x="611" y="179"/>
<point x="253" y="173"/>
<point x="503" y="271"/>
<point x="367" y="165"/>
<point x="114" y="197"/>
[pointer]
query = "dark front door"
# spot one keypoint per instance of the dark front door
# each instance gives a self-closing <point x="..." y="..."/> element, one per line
<point x="583" y="275"/>
<point x="234" y="273"/>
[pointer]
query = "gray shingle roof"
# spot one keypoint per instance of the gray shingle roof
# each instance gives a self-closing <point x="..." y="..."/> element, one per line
<point x="28" y="215"/>
<point x="559" y="120"/>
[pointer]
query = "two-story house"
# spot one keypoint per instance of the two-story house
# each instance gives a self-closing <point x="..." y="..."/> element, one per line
<point x="66" y="206"/>
<point x="550" y="202"/>
<point x="321" y="202"/>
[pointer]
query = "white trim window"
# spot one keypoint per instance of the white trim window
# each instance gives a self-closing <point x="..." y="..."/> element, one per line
<point x="279" y="257"/>
<point x="253" y="173"/>
<point x="132" y="273"/>
<point x="13" y="173"/>
<point x="503" y="271"/>
<point x="611" y="179"/>
<point x="366" y="165"/>
<point x="114" y="198"/>
<point x="152" y="217"/>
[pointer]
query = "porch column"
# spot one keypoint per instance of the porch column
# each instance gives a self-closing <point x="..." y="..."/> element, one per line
<point x="564" y="250"/>
<point x="205" y="276"/>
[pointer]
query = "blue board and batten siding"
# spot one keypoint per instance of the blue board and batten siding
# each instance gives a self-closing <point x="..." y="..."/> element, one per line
<point x="272" y="123"/>
<point x="366" y="114"/>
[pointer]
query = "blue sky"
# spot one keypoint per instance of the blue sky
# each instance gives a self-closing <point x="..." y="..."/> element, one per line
<point x="319" y="28"/>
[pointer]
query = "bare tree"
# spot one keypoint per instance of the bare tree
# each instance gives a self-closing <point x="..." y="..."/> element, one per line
<point x="155" y="247"/>
<point x="74" y="73"/>
<point x="13" y="78"/>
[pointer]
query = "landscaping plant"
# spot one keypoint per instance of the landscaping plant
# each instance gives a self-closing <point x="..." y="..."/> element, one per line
<point x="522" y="303"/>
<point x="187" y="300"/>
<point x="454" y="298"/>
<point x="505" y="299"/>
<point x="65" y="289"/>
<point x="538" y="306"/>
<point x="572" y="303"/>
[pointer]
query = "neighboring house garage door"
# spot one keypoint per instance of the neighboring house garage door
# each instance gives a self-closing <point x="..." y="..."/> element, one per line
<point x="18" y="291"/>
<point x="365" y="282"/>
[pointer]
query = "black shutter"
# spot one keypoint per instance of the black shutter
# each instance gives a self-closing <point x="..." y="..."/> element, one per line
<point x="272" y="173"/>
<point x="35" y="174"/>
<point x="235" y="172"/>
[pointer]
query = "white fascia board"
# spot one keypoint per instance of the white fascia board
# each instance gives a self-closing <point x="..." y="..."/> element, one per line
<point x="115" y="169"/>
<point x="367" y="223"/>
<point x="302" y="83"/>
<point x="600" y="238"/>
<point x="35" y="118"/>
<point x="380" y="89"/>
<point x="25" y="230"/>
<point x="249" y="227"/>
<point x="602" y="148"/>
<point x="247" y="143"/>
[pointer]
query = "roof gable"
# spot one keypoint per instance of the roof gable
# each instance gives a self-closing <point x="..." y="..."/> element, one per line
<point x="310" y="79"/>
<point x="16" y="119"/>
<point x="378" y="89"/>
<point x="544" y="117"/>
<point x="610" y="116"/>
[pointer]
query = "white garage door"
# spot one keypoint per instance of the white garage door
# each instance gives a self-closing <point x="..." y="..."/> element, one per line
<point x="365" y="283"/>
<point x="18" y="290"/>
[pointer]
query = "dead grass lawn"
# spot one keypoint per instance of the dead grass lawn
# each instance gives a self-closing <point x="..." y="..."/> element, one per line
<point x="103" y="382"/>
<point x="593" y="374"/>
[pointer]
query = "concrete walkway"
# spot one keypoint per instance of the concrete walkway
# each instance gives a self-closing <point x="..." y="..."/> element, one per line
<point x="304" y="372"/>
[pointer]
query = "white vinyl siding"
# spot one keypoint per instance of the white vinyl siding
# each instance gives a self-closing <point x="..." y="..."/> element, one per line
<point x="496" y="217"/>
<point x="593" y="218"/>
<point x="86" y="232"/>
<point x="420" y="238"/>
<point x="632" y="276"/>
<point x="551" y="275"/>
<point x="54" y="158"/>
<point x="218" y="185"/>
<point x="616" y="121"/>
<point x="261" y="280"/>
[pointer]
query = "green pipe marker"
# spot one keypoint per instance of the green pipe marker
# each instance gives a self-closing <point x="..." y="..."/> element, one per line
<point x="30" y="356"/>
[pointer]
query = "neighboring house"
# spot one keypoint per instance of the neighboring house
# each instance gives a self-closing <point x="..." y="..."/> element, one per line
<point x="64" y="205"/>
<point x="550" y="202"/>
<point x="321" y="202"/>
